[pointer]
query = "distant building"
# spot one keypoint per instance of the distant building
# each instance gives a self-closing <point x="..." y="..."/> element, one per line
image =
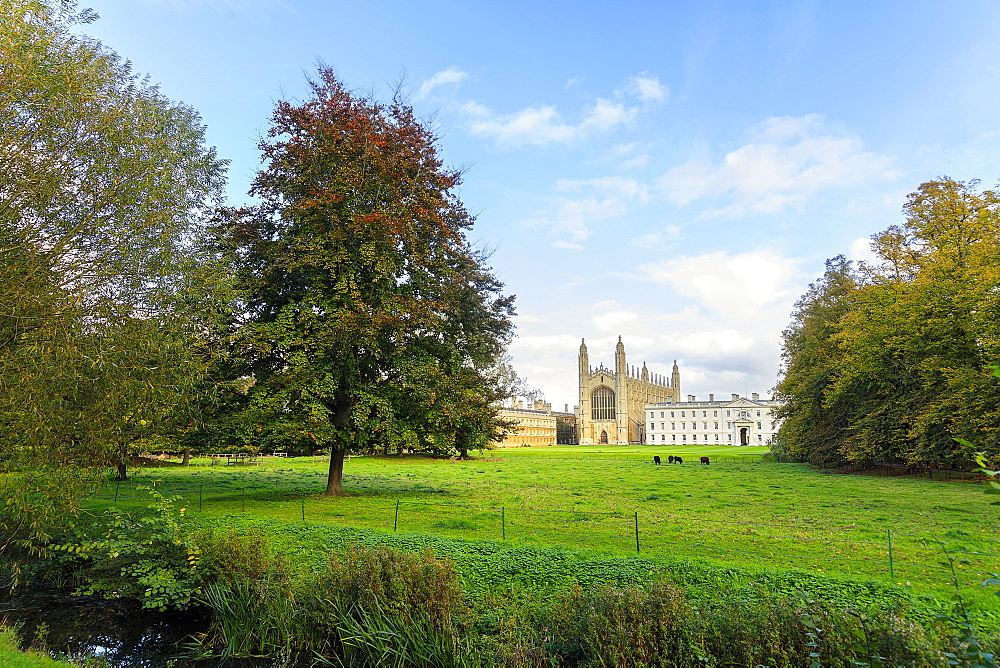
<point x="566" y="429"/>
<point x="736" y="421"/>
<point x="611" y="402"/>
<point x="532" y="426"/>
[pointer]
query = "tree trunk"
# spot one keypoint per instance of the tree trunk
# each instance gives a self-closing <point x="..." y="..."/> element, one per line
<point x="335" y="478"/>
<point x="187" y="457"/>
<point x="122" y="471"/>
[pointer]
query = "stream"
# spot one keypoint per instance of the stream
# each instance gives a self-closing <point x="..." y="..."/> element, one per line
<point x="119" y="632"/>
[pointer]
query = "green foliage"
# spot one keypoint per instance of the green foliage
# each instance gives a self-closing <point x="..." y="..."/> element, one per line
<point x="35" y="508"/>
<point x="630" y="626"/>
<point x="363" y="607"/>
<point x="149" y="557"/>
<point x="107" y="293"/>
<point x="12" y="657"/>
<point x="885" y="361"/>
<point x="368" y="313"/>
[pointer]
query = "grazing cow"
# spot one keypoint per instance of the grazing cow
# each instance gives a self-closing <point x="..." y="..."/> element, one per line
<point x="656" y="459"/>
<point x="670" y="459"/>
<point x="678" y="460"/>
<point x="704" y="460"/>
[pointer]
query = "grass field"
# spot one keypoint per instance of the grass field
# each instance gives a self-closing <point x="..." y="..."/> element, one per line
<point x="736" y="510"/>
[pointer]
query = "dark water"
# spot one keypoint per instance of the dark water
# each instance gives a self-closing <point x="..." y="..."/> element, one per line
<point x="119" y="632"/>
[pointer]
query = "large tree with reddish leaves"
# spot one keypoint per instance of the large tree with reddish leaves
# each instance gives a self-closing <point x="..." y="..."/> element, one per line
<point x="356" y="269"/>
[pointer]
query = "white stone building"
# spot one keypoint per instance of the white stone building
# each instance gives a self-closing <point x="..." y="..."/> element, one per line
<point x="735" y="421"/>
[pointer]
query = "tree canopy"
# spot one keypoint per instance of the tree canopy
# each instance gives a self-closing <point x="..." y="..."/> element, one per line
<point x="367" y="312"/>
<point x="890" y="361"/>
<point x="107" y="295"/>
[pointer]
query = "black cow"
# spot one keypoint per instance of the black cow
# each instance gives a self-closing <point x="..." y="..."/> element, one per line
<point x="678" y="460"/>
<point x="656" y="459"/>
<point x="704" y="460"/>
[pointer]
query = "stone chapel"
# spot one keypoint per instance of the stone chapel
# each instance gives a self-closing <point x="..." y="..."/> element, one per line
<point x="612" y="403"/>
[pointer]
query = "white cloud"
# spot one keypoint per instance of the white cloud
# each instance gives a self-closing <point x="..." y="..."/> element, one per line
<point x="739" y="286"/>
<point x="785" y="160"/>
<point x="861" y="251"/>
<point x="647" y="88"/>
<point x="570" y="219"/>
<point x="542" y="125"/>
<point x="656" y="238"/>
<point x="614" y="321"/>
<point x="452" y="75"/>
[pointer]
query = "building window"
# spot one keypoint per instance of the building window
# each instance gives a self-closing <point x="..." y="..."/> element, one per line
<point x="602" y="402"/>
<point x="684" y="437"/>
<point x="730" y="437"/>
<point x="716" y="437"/>
<point x="758" y="425"/>
<point x="671" y="413"/>
<point x="674" y="437"/>
<point x="652" y="426"/>
<point x="651" y="415"/>
<point x="716" y="425"/>
<point x="759" y="438"/>
<point x="704" y="413"/>
<point x="694" y="425"/>
<point x="715" y="413"/>
<point x="673" y="425"/>
<point x="661" y="414"/>
<point x="682" y="413"/>
<point x="758" y="413"/>
<point x="727" y="413"/>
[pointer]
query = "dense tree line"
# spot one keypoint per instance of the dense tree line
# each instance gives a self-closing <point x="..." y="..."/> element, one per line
<point x="346" y="310"/>
<point x="890" y="361"/>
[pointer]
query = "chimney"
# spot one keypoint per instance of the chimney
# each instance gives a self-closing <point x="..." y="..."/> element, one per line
<point x="711" y="397"/>
<point x="756" y="397"/>
<point x="565" y="408"/>
<point x="735" y="396"/>
<point x="691" y="397"/>
<point x="520" y="404"/>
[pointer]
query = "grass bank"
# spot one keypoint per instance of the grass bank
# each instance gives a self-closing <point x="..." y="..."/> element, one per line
<point x="732" y="512"/>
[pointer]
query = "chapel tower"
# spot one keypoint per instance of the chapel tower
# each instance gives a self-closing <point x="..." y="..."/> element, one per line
<point x="612" y="401"/>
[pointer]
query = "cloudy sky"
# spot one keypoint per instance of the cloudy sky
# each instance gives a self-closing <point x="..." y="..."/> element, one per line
<point x="672" y="172"/>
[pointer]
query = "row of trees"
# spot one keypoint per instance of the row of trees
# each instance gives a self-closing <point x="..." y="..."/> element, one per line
<point x="346" y="308"/>
<point x="891" y="360"/>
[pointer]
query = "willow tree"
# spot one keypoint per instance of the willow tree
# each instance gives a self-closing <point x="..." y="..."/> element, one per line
<point x="355" y="268"/>
<point x="106" y="295"/>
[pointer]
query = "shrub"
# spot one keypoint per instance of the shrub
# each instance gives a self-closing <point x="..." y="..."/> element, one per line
<point x="629" y="626"/>
<point x="149" y="557"/>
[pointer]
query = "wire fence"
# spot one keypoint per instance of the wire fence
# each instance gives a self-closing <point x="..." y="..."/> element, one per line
<point x="866" y="551"/>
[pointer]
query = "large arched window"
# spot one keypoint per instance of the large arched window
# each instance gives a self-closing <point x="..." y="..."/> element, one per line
<point x="602" y="404"/>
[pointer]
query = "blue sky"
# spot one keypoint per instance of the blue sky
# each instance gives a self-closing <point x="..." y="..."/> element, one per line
<point x="672" y="172"/>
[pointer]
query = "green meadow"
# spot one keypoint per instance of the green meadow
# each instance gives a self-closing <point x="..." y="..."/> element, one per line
<point x="613" y="501"/>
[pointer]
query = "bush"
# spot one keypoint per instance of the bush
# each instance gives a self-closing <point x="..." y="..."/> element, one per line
<point x="363" y="607"/>
<point x="149" y="557"/>
<point x="628" y="626"/>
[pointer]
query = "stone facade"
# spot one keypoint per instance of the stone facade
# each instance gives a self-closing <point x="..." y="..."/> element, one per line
<point x="532" y="426"/>
<point x="612" y="403"/>
<point x="736" y="421"/>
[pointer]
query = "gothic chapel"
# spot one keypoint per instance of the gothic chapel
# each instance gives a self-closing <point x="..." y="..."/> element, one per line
<point x="612" y="403"/>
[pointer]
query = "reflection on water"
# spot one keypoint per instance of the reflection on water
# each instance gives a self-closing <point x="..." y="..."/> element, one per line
<point x="120" y="632"/>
